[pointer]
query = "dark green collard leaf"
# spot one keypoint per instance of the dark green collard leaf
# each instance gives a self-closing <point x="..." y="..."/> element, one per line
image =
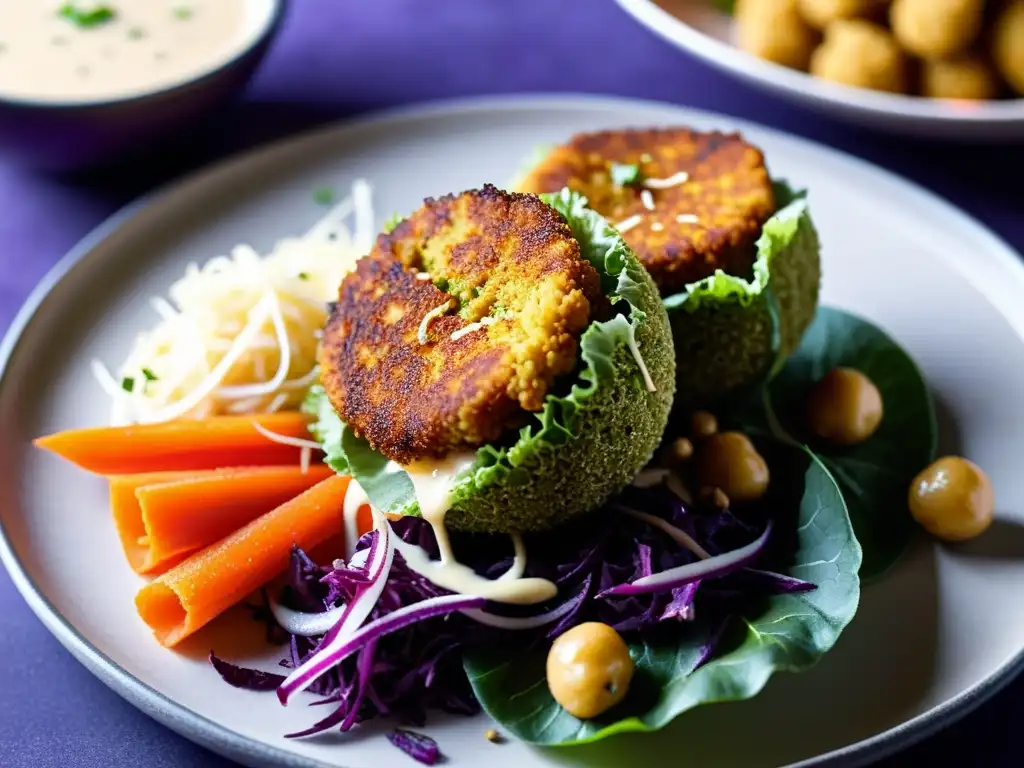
<point x="875" y="475"/>
<point x="787" y="632"/>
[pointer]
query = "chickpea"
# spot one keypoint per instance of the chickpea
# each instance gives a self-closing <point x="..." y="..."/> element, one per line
<point x="1008" y="45"/>
<point x="730" y="463"/>
<point x="682" y="450"/>
<point x="936" y="29"/>
<point x="818" y="13"/>
<point x="703" y="424"/>
<point x="964" y="77"/>
<point x="845" y="407"/>
<point x="589" y="669"/>
<point x="862" y="55"/>
<point x="953" y="499"/>
<point x="714" y="497"/>
<point x="775" y="31"/>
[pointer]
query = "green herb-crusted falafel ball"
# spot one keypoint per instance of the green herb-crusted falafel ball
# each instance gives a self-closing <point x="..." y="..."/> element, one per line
<point x="735" y="256"/>
<point x="602" y="413"/>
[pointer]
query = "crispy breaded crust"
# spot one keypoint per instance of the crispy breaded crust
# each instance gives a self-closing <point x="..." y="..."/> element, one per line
<point x="500" y="258"/>
<point x="729" y="192"/>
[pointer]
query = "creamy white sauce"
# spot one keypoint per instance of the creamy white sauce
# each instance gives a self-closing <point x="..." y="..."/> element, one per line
<point x="433" y="483"/>
<point x="421" y="333"/>
<point x="145" y="46"/>
<point x="473" y="327"/>
<point x="634" y="350"/>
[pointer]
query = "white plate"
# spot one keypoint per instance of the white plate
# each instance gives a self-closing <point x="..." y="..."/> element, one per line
<point x="945" y="629"/>
<point x="697" y="27"/>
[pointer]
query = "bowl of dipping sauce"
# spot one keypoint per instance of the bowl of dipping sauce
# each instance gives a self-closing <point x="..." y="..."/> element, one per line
<point x="83" y="84"/>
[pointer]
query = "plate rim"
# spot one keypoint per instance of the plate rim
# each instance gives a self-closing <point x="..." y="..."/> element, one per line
<point x="229" y="743"/>
<point x="808" y="89"/>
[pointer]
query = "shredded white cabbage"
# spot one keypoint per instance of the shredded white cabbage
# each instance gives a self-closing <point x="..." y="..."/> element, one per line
<point x="239" y="334"/>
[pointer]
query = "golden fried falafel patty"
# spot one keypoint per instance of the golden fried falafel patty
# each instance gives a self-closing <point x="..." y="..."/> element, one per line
<point x="457" y="323"/>
<point x="710" y="194"/>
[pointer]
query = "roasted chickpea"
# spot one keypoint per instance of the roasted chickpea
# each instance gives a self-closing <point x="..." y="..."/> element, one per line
<point x="729" y="461"/>
<point x="936" y="29"/>
<point x="844" y="407"/>
<point x="860" y="54"/>
<point x="682" y="450"/>
<point x="1008" y="45"/>
<point x="589" y="669"/>
<point x="953" y="499"/>
<point x="703" y="424"/>
<point x="964" y="77"/>
<point x="818" y="13"/>
<point x="774" y="30"/>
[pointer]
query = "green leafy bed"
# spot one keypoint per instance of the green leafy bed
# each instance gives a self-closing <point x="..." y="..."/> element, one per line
<point x="838" y="519"/>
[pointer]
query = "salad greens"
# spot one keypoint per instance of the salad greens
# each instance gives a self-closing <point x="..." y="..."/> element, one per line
<point x="788" y="631"/>
<point x="875" y="475"/>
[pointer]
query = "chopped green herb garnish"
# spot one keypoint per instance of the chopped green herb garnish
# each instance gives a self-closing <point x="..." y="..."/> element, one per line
<point x="150" y="376"/>
<point x="303" y="275"/>
<point x="128" y="384"/>
<point x="136" y="33"/>
<point x="625" y="174"/>
<point x="725" y="6"/>
<point x="90" y="16"/>
<point x="183" y="12"/>
<point x="393" y="221"/>
<point x="324" y="195"/>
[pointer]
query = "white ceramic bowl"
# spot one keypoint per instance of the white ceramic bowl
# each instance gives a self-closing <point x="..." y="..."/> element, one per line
<point x="697" y="27"/>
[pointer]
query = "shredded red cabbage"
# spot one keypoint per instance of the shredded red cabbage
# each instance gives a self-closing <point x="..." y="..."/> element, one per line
<point x="417" y="668"/>
<point x="418" y="746"/>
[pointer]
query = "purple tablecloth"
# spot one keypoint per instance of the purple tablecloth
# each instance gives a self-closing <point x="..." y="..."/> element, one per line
<point x="338" y="57"/>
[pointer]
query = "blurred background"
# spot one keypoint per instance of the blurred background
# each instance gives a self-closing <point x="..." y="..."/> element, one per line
<point x="327" y="60"/>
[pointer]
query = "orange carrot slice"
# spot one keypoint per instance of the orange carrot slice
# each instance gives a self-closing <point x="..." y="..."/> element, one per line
<point x="199" y="589"/>
<point x="182" y="444"/>
<point x="162" y="517"/>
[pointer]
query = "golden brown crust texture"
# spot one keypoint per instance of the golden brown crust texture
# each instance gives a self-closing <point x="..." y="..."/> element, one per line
<point x="516" y="295"/>
<point x="711" y="221"/>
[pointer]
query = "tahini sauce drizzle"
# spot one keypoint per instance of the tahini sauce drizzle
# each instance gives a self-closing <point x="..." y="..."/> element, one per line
<point x="433" y="482"/>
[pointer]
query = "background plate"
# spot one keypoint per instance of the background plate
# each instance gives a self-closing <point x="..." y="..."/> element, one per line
<point x="943" y="630"/>
<point x="699" y="28"/>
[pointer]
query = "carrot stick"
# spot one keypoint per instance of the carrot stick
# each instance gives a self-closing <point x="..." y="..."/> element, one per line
<point x="162" y="517"/>
<point x="182" y="444"/>
<point x="196" y="591"/>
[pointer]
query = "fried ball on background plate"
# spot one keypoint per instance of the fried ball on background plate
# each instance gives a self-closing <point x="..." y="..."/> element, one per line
<point x="735" y="255"/>
<point x="935" y="29"/>
<point x="775" y="31"/>
<point x="499" y="325"/>
<point x="862" y="55"/>
<point x="818" y="13"/>
<point x="1008" y="44"/>
<point x="963" y="77"/>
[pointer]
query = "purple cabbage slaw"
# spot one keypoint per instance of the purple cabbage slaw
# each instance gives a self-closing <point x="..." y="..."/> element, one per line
<point x="594" y="561"/>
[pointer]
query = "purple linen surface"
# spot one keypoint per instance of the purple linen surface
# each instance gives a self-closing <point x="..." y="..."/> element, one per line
<point x="336" y="58"/>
